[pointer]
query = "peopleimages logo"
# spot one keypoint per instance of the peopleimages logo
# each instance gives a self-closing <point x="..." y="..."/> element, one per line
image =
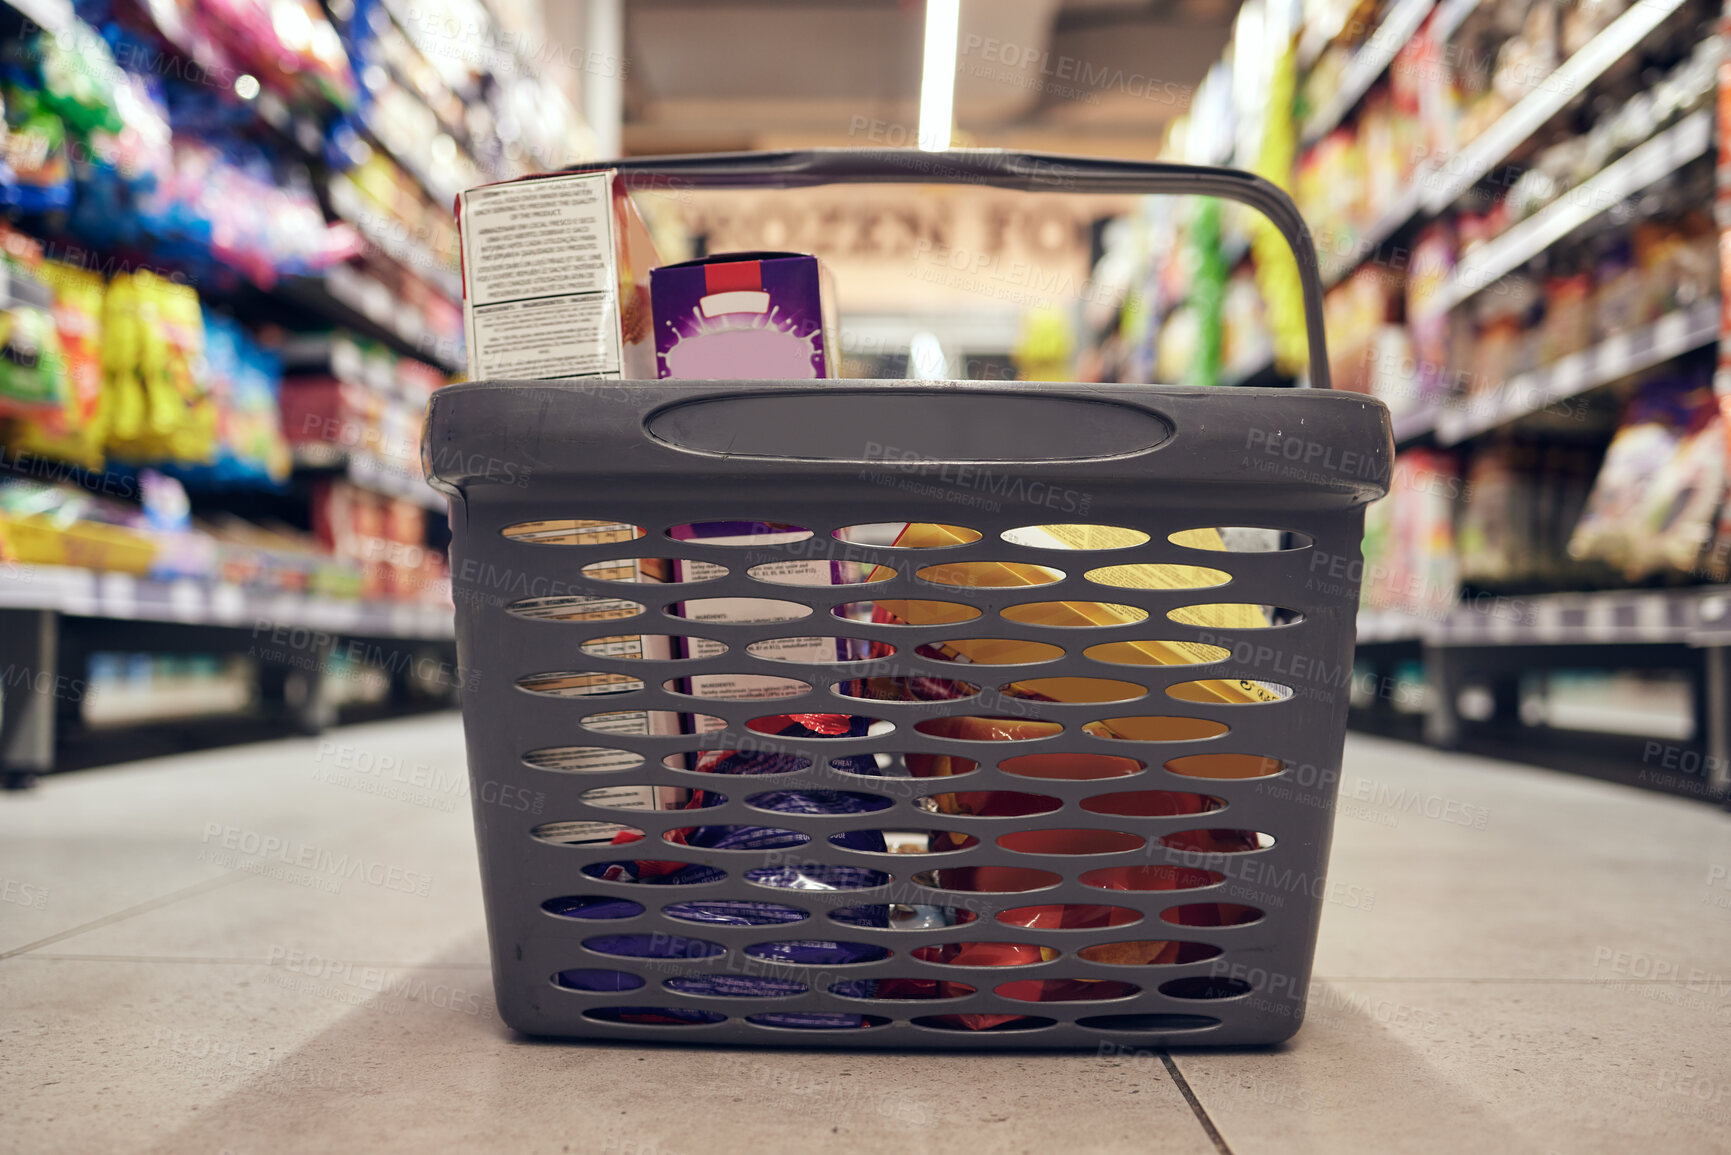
<point x="251" y="851"/>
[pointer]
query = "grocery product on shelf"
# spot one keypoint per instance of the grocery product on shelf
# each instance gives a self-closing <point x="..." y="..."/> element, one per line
<point x="1409" y="539"/>
<point x="1655" y="503"/>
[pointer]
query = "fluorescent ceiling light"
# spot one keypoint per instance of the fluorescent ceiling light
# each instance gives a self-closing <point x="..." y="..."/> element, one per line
<point x="938" y="81"/>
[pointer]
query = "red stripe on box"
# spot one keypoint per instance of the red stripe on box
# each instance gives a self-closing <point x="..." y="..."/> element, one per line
<point x="732" y="277"/>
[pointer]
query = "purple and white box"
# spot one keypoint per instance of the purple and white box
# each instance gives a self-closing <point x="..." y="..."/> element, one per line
<point x="769" y="316"/>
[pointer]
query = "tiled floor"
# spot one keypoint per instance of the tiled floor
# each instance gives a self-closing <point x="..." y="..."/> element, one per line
<point x="1518" y="962"/>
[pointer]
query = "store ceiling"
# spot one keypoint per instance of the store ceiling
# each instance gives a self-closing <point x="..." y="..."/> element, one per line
<point x="1093" y="76"/>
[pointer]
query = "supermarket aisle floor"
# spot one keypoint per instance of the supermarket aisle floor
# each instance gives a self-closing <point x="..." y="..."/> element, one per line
<point x="1511" y="961"/>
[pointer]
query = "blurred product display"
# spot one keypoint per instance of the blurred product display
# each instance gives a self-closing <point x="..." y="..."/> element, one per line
<point x="228" y="285"/>
<point x="1512" y="202"/>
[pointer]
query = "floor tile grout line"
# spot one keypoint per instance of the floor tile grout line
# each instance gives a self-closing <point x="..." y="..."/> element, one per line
<point x="145" y="907"/>
<point x="1595" y="982"/>
<point x="1196" y="1108"/>
<point x="262" y="962"/>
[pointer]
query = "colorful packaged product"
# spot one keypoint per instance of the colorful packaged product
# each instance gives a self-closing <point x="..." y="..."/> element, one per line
<point x="555" y="279"/>
<point x="743" y="316"/>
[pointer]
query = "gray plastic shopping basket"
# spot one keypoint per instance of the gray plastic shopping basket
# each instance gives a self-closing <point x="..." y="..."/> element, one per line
<point x="1165" y="889"/>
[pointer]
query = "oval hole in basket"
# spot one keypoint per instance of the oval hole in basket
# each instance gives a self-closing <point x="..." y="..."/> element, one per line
<point x="1169" y="577"/>
<point x="739" y="532"/>
<point x="1240" y="539"/>
<point x="986" y="728"/>
<point x="819" y="802"/>
<point x="1071" y="841"/>
<point x="1069" y="916"/>
<point x="917" y="765"/>
<point x="753" y="839"/>
<point x="579" y="684"/>
<point x="991" y="803"/>
<point x="1148" y="1022"/>
<point x="735" y="912"/>
<point x="919" y="688"/>
<point x="1211" y="914"/>
<point x="989" y="574"/>
<point x="960" y="1023"/>
<point x="1152" y="803"/>
<point x="820" y="726"/>
<point x="658" y="570"/>
<point x="587" y="979"/>
<point x="1156" y="653"/>
<point x="1217" y="841"/>
<point x="1226" y="766"/>
<point x="906" y="612"/>
<point x="1072" y="767"/>
<point x="901" y="916"/>
<point x="737" y="762"/>
<point x="1088" y="537"/>
<point x="668" y="798"/>
<point x="1234" y="616"/>
<point x="1209" y="692"/>
<point x="818" y="952"/>
<point x="821" y="573"/>
<point x="739" y="611"/>
<point x="907" y="841"/>
<point x="654" y="872"/>
<point x="1155" y="728"/>
<point x="902" y="990"/>
<point x="582" y="831"/>
<point x="762" y="686"/>
<point x="725" y="986"/>
<point x="575" y="608"/>
<point x="1073" y="615"/>
<point x="1205" y="987"/>
<point x="572" y="531"/>
<point x="990" y="651"/>
<point x="660" y="722"/>
<point x="657" y="945"/>
<point x="1073" y="690"/>
<point x="583" y="759"/>
<point x="817" y="1021"/>
<point x="1148" y="952"/>
<point x="817" y="651"/>
<point x="600" y="906"/>
<point x="655" y="1016"/>
<point x="987" y="879"/>
<point x="984" y="954"/>
<point x="817" y="876"/>
<point x="907" y="535"/>
<point x="1066" y="990"/>
<point x="1144" y="878"/>
<point x="651" y="647"/>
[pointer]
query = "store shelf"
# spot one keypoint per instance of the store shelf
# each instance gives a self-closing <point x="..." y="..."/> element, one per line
<point x="1610" y="617"/>
<point x="1377" y="626"/>
<point x="1450" y="15"/>
<point x="55" y="16"/>
<point x="1436" y="186"/>
<point x="1415" y="424"/>
<point x="1647" y="164"/>
<point x="372" y="472"/>
<point x="1612" y="359"/>
<point x="1369" y="62"/>
<point x="194" y="601"/>
<point x="1491" y="147"/>
<point x="340" y="302"/>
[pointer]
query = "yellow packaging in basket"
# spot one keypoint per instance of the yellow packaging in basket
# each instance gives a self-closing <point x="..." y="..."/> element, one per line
<point x="1083" y="614"/>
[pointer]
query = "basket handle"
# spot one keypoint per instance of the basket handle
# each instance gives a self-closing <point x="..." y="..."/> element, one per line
<point x="995" y="168"/>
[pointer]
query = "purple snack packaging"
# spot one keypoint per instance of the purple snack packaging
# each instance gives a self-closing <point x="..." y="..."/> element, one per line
<point x="743" y="316"/>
